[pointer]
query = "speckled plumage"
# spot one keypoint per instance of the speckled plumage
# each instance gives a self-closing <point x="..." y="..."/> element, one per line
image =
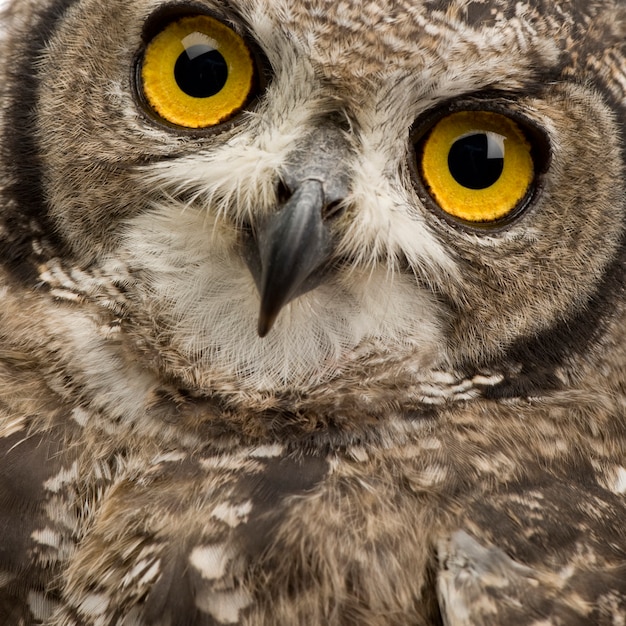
<point x="435" y="434"/>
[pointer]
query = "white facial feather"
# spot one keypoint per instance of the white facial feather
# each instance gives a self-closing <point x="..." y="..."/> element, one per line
<point x="202" y="292"/>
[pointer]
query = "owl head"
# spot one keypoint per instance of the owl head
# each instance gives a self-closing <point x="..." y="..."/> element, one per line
<point x="290" y="195"/>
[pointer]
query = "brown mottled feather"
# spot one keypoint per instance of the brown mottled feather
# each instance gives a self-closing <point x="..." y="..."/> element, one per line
<point x="435" y="434"/>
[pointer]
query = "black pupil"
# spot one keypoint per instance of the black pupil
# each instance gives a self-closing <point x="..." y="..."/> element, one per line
<point x="476" y="161"/>
<point x="201" y="71"/>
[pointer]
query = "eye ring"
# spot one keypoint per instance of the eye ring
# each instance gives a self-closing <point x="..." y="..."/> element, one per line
<point x="478" y="167"/>
<point x="196" y="72"/>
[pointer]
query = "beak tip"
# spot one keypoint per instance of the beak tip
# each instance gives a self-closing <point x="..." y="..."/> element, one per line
<point x="273" y="300"/>
<point x="265" y="323"/>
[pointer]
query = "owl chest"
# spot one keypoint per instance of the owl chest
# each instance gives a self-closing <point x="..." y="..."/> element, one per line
<point x="253" y="534"/>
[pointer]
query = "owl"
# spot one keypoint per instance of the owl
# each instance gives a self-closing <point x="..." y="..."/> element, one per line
<point x="313" y="313"/>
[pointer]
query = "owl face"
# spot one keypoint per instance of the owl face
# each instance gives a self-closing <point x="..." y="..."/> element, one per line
<point x="415" y="182"/>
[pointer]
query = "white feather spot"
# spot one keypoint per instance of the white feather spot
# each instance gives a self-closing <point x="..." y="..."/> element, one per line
<point x="12" y="425"/>
<point x="488" y="381"/>
<point x="80" y="416"/>
<point x="232" y="514"/>
<point x="47" y="537"/>
<point x="150" y="574"/>
<point x="169" y="457"/>
<point x="94" y="604"/>
<point x="619" y="485"/>
<point x="210" y="561"/>
<point x="224" y="606"/>
<point x="40" y="606"/>
<point x="146" y="568"/>
<point x="268" y="451"/>
<point x="432" y="475"/>
<point x="358" y="453"/>
<point x="65" y="476"/>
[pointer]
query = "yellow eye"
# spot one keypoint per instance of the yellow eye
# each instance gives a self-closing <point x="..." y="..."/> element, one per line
<point x="477" y="165"/>
<point x="197" y="72"/>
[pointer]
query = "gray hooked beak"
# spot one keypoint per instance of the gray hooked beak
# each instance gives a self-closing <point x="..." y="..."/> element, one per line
<point x="289" y="253"/>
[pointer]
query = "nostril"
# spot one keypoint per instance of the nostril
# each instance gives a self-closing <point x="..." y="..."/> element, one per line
<point x="283" y="193"/>
<point x="330" y="210"/>
<point x="333" y="210"/>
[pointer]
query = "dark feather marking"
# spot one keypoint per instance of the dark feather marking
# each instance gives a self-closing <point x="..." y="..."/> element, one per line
<point x="20" y="152"/>
<point x="541" y="354"/>
<point x="268" y="490"/>
<point x="25" y="465"/>
<point x="13" y="609"/>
